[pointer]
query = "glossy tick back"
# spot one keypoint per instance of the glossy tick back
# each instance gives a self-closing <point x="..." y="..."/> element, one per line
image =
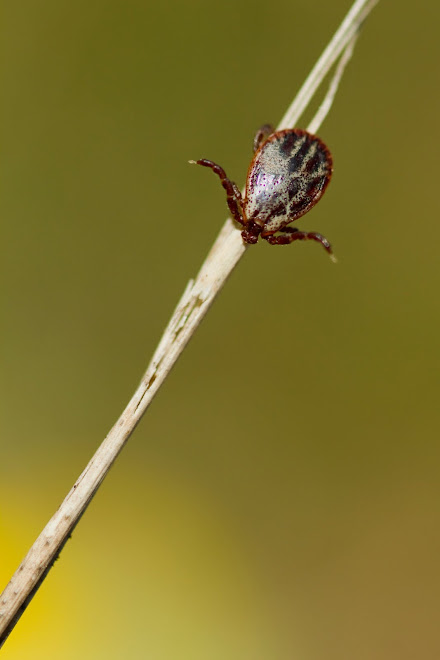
<point x="287" y="176"/>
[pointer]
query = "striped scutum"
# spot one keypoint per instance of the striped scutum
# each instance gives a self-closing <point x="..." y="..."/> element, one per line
<point x="288" y="175"/>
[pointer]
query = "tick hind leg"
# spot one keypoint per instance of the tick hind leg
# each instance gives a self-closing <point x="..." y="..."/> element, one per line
<point x="262" y="134"/>
<point x="290" y="234"/>
<point x="233" y="195"/>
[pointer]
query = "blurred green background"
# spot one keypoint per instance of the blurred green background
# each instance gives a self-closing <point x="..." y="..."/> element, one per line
<point x="281" y="497"/>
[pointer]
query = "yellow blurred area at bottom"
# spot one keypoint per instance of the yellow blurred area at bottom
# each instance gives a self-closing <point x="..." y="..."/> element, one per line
<point x="171" y="571"/>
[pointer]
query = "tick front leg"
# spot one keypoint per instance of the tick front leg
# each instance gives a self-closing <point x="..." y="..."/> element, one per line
<point x="291" y="234"/>
<point x="233" y="195"/>
<point x="262" y="134"/>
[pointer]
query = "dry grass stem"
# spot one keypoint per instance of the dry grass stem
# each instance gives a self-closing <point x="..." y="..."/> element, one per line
<point x="194" y="304"/>
<point x="343" y="35"/>
<point x="326" y="104"/>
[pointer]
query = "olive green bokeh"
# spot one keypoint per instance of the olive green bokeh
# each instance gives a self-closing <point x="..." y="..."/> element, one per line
<point x="281" y="497"/>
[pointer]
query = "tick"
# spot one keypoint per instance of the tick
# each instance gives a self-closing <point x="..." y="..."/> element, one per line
<point x="287" y="176"/>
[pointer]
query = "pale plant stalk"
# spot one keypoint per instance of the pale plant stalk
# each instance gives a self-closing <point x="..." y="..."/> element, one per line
<point x="192" y="307"/>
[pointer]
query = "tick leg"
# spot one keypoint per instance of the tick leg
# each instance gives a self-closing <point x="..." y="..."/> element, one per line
<point x="293" y="234"/>
<point x="262" y="134"/>
<point x="233" y="195"/>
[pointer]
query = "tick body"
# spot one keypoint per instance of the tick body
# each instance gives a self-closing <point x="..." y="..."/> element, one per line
<point x="287" y="176"/>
